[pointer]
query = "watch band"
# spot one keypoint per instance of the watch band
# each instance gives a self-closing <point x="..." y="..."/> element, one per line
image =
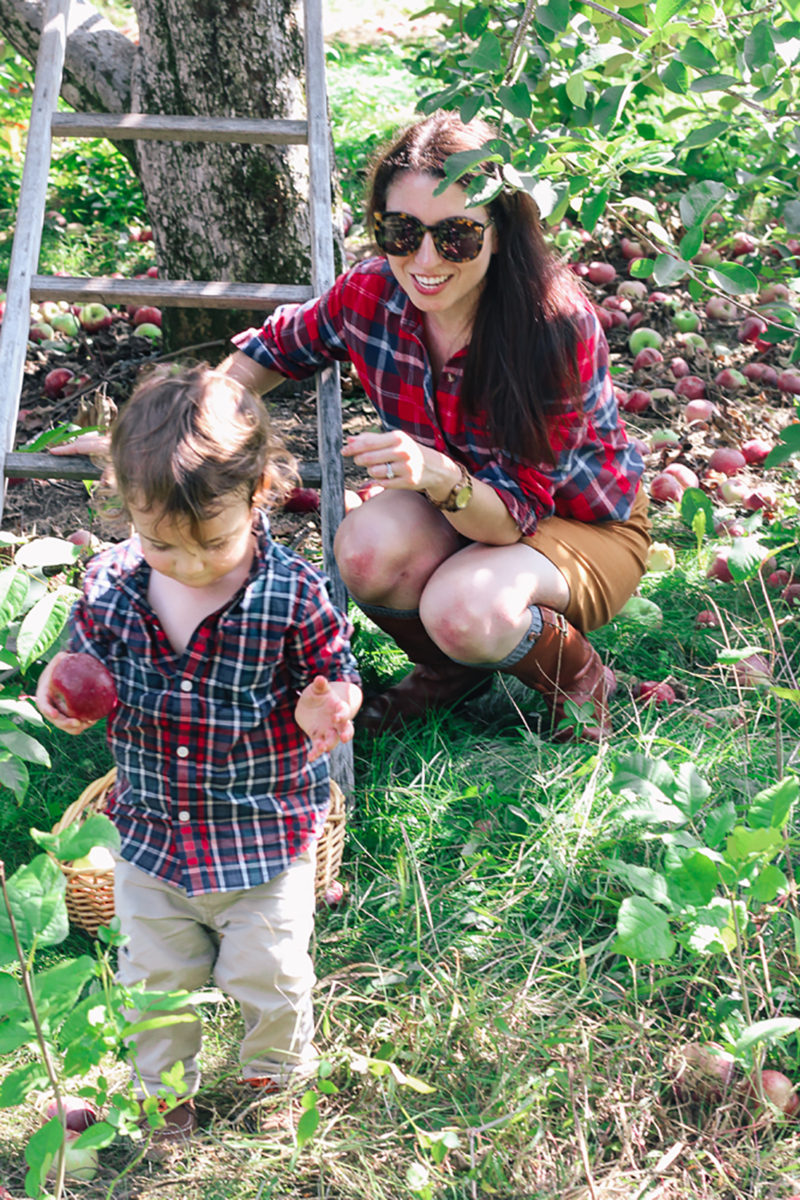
<point x="459" y="496"/>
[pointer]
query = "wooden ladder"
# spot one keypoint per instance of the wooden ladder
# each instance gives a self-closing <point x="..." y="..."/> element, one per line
<point x="24" y="285"/>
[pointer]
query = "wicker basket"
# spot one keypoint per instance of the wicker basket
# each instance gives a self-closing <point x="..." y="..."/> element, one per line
<point x="90" y="893"/>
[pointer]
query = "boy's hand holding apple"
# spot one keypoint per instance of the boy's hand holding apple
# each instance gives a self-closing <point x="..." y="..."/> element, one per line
<point x="75" y="691"/>
<point x="325" y="711"/>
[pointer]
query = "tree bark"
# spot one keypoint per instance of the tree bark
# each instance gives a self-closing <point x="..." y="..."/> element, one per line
<point x="218" y="211"/>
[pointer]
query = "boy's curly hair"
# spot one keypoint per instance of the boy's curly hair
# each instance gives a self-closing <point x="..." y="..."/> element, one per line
<point x="189" y="436"/>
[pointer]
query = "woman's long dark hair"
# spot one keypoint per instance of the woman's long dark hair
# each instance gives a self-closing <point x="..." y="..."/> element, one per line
<point x="521" y="365"/>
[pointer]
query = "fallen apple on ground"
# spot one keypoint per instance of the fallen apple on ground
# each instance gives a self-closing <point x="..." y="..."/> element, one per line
<point x="704" y="1072"/>
<point x="651" y="691"/>
<point x="778" y="1089"/>
<point x="302" y="500"/>
<point x="79" y="1114"/>
<point x="81" y="687"/>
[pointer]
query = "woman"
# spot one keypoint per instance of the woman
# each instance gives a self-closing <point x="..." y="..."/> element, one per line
<point x="511" y="520"/>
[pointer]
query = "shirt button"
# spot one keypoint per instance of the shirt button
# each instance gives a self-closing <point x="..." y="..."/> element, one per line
<point x="183" y="751"/>
<point x="183" y="816"/>
<point x="186" y="685"/>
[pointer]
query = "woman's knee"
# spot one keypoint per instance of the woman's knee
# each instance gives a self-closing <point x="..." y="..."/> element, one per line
<point x="377" y="551"/>
<point x="469" y="624"/>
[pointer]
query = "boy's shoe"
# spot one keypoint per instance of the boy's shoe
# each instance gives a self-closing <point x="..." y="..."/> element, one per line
<point x="265" y="1107"/>
<point x="180" y="1125"/>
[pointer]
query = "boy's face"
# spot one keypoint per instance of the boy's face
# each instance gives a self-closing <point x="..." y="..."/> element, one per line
<point x="222" y="544"/>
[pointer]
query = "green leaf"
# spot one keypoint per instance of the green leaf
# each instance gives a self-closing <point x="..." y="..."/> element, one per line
<point x="551" y="199"/>
<point x="695" y="881"/>
<point x="20" y="1082"/>
<point x="767" y="884"/>
<point x="728" y="657"/>
<point x="675" y="77"/>
<point x="307" y="1126"/>
<point x="772" y="807"/>
<point x="745" y="557"/>
<point x="704" y="136"/>
<point x="771" y="1030"/>
<point x="743" y="844"/>
<point x="593" y="208"/>
<point x="576" y="89"/>
<point x="695" y="54"/>
<point x="713" y="83"/>
<point x="786" y="447"/>
<point x="40" y="1154"/>
<point x="47" y="552"/>
<point x="14" y="774"/>
<point x="650" y="883"/>
<point x="517" y="99"/>
<point x="698" y="203"/>
<point x="17" y="706"/>
<point x="58" y="989"/>
<point x="733" y="278"/>
<point x="642" y="268"/>
<point x="719" y="822"/>
<point x="712" y="928"/>
<point x="21" y="744"/>
<point x="476" y="21"/>
<point x="668" y="269"/>
<point x="487" y="55"/>
<point x="643" y="931"/>
<point x="691" y="242"/>
<point x="695" y="500"/>
<point x="471" y="107"/>
<point x="43" y="624"/>
<point x="666" y="10"/>
<point x="79" y="837"/>
<point x="759" y="47"/>
<point x="609" y="107"/>
<point x="14" y="585"/>
<point x="554" y="15"/>
<point x="464" y="163"/>
<point x="36" y="895"/>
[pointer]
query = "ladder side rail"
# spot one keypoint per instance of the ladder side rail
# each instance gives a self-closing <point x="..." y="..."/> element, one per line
<point x="30" y="220"/>
<point x="156" y="127"/>
<point x="329" y="396"/>
<point x="23" y="464"/>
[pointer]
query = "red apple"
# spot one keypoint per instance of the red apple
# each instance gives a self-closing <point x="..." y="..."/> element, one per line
<point x="742" y="243"/>
<point x="679" y="367"/>
<point x="665" y="487"/>
<point x="789" y="381"/>
<point x="778" y="579"/>
<point x="632" y="289"/>
<point x="40" y="331"/>
<point x="302" y="500"/>
<point x="334" y="894"/>
<point x="763" y="496"/>
<point x="80" y="537"/>
<point x="684" y="475"/>
<point x="631" y="249"/>
<point x="720" y="309"/>
<point x="756" y="450"/>
<point x="730" y="379"/>
<point x="727" y="460"/>
<point x="691" y="387"/>
<point x="780" y="1090"/>
<point x="791" y="594"/>
<point x="605" y="316"/>
<point x="759" y="372"/>
<point x="601" y="273"/>
<point x="652" y="692"/>
<point x="152" y="272"/>
<point x="707" y="619"/>
<point x="733" y="491"/>
<point x="648" y="356"/>
<point x="80" y="1114"/>
<point x="147" y="314"/>
<point x="636" y="401"/>
<point x="369" y="491"/>
<point x="56" y="380"/>
<point x="81" y="687"/>
<point x="719" y="568"/>
<point x="751" y="329"/>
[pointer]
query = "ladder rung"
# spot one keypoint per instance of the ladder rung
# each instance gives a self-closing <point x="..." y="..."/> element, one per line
<point x="19" y="465"/>
<point x="119" y="126"/>
<point x="166" y="293"/>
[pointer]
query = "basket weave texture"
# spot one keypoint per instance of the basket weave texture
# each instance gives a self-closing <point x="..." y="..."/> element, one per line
<point x="90" y="893"/>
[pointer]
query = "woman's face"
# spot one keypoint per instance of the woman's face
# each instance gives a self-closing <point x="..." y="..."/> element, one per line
<point x="434" y="284"/>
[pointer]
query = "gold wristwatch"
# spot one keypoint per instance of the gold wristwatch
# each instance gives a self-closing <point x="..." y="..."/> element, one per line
<point x="459" y="497"/>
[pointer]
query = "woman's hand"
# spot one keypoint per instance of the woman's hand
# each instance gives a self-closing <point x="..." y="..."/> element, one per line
<point x="46" y="707"/>
<point x="396" y="461"/>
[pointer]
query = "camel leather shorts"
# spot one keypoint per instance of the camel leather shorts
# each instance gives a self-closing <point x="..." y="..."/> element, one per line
<point x="602" y="561"/>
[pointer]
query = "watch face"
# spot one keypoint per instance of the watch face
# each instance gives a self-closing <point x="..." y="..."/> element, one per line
<point x="463" y="495"/>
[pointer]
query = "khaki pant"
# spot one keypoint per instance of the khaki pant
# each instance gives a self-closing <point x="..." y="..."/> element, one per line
<point x="602" y="561"/>
<point x="253" y="943"/>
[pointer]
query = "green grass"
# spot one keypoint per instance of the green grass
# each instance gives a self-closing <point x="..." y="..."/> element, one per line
<point x="475" y="953"/>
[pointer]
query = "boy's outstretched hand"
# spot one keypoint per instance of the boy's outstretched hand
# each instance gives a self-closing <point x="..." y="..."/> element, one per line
<point x="48" y="709"/>
<point x="325" y="713"/>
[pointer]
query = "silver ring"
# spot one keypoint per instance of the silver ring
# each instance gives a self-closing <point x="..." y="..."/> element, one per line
<point x="389" y="471"/>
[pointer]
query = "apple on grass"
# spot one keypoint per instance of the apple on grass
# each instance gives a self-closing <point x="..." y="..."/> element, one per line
<point x="66" y="323"/>
<point x="665" y="487"/>
<point x="150" y="331"/>
<point x="691" y="387"/>
<point x="81" y="687"/>
<point x="302" y="500"/>
<point x="56" y="380"/>
<point x="685" y="320"/>
<point x="727" y="460"/>
<point x="147" y="313"/>
<point x="647" y="357"/>
<point x="642" y="337"/>
<point x="601" y="273"/>
<point x="718" y="308"/>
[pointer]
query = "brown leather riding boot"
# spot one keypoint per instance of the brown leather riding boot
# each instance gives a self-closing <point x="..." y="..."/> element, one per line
<point x="563" y="666"/>
<point x="435" y="681"/>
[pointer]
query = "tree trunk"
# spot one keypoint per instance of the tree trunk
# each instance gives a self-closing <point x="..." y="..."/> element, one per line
<point x="218" y="211"/>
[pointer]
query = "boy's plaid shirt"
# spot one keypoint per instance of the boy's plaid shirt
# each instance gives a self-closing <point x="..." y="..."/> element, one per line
<point x="367" y="318"/>
<point x="214" y="788"/>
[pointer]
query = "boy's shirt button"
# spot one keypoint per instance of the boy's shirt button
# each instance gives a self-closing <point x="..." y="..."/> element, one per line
<point x="183" y="752"/>
<point x="186" y="685"/>
<point x="183" y="816"/>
